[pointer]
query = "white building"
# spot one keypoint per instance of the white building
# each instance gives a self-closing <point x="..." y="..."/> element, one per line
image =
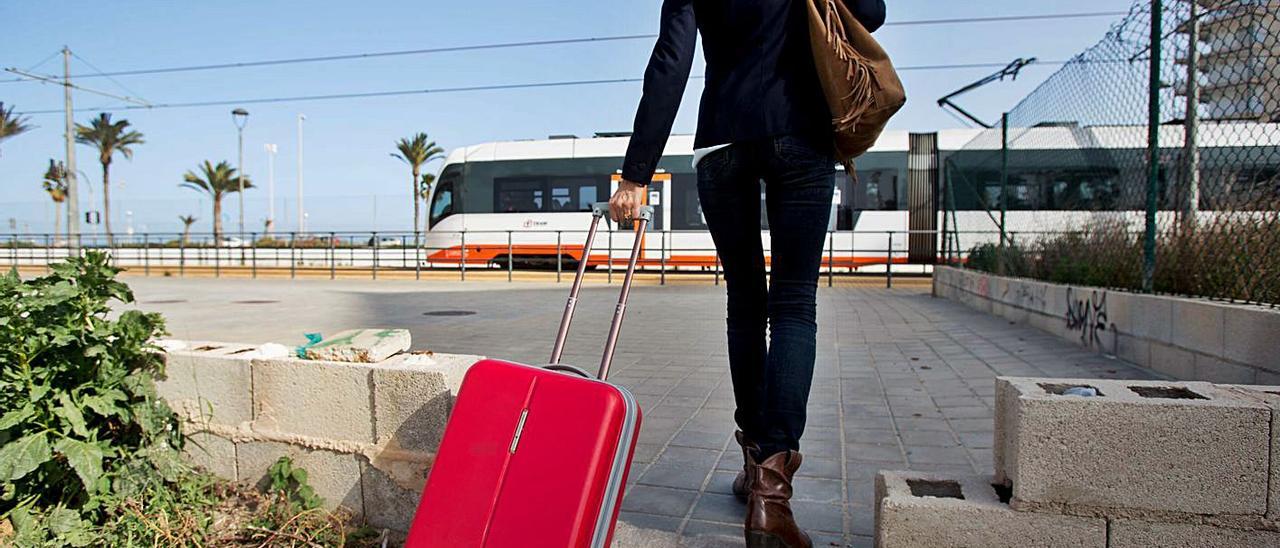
<point x="1239" y="66"/>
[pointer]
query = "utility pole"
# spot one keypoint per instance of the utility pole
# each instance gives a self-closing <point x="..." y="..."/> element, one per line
<point x="302" y="222"/>
<point x="73" y="195"/>
<point x="1192" y="134"/>
<point x="271" y="187"/>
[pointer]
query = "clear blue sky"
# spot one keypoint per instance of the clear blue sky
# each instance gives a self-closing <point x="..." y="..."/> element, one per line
<point x="348" y="141"/>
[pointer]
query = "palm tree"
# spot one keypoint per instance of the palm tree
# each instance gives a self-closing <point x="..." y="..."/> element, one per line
<point x="109" y="138"/>
<point x="55" y="183"/>
<point x="217" y="181"/>
<point x="424" y="189"/>
<point x="11" y="125"/>
<point x="416" y="151"/>
<point x="187" y="221"/>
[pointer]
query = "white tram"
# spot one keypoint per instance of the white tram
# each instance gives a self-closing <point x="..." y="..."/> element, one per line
<point x="529" y="201"/>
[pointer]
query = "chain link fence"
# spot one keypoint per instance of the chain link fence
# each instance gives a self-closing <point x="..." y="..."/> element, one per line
<point x="1136" y="167"/>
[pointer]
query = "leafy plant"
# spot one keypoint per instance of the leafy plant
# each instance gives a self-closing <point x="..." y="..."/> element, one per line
<point x="80" y="421"/>
<point x="291" y="482"/>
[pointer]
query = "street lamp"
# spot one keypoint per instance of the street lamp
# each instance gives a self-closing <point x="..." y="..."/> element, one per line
<point x="271" y="186"/>
<point x="240" y="117"/>
<point x="302" y="217"/>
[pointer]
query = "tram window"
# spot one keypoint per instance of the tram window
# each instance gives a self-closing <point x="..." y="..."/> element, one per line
<point x="534" y="194"/>
<point x="587" y="195"/>
<point x="519" y="195"/>
<point x="876" y="190"/>
<point x="442" y="203"/>
<point x="574" y="193"/>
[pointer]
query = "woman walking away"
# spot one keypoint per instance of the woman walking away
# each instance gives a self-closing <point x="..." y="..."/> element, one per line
<point x="763" y="116"/>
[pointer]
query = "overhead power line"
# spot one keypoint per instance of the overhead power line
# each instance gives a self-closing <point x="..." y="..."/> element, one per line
<point x="457" y="89"/>
<point x="536" y="43"/>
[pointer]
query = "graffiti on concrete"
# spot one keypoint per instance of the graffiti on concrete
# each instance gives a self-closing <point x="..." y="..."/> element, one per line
<point x="1088" y="315"/>
<point x="1031" y="296"/>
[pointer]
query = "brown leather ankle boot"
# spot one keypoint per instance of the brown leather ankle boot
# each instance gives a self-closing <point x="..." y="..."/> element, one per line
<point x="770" y="523"/>
<point x="742" y="483"/>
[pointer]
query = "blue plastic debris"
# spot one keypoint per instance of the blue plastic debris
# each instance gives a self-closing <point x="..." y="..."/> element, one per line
<point x="312" y="340"/>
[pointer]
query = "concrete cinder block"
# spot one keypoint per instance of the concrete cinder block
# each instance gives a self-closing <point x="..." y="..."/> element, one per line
<point x="209" y="382"/>
<point x="1250" y="335"/>
<point x="1269" y="396"/>
<point x="1141" y="445"/>
<point x="1142" y="534"/>
<point x="413" y="396"/>
<point x="213" y="453"/>
<point x="915" y="509"/>
<point x="321" y="399"/>
<point x="334" y="476"/>
<point x="1198" y="326"/>
<point x="388" y="501"/>
<point x="361" y="345"/>
<point x="1174" y="362"/>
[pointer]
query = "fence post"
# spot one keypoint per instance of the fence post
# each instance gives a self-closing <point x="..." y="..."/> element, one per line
<point x="293" y="260"/>
<point x="559" y="255"/>
<point x="463" y="256"/>
<point x="182" y="257"/>
<point x="217" y="259"/>
<point x="511" y="259"/>
<point x="662" y="276"/>
<point x="146" y="255"/>
<point x="1153" y="148"/>
<point x="375" y="254"/>
<point x="888" y="264"/>
<point x="1004" y="187"/>
<point x="47" y="259"/>
<point x="831" y="259"/>
<point x="253" y="255"/>
<point x="333" y="255"/>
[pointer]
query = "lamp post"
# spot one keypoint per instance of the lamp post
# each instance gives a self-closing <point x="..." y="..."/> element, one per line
<point x="271" y="187"/>
<point x="302" y="221"/>
<point x="240" y="117"/>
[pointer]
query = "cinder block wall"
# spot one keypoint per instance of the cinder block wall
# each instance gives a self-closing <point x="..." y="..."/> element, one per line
<point x="1186" y="339"/>
<point x="366" y="433"/>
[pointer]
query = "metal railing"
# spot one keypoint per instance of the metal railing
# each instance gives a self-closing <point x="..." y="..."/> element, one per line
<point x="464" y="253"/>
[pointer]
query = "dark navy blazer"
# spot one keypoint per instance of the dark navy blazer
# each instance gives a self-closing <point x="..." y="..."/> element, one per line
<point x="760" y="79"/>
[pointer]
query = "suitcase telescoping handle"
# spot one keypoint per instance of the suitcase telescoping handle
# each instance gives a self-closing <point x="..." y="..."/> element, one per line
<point x="599" y="211"/>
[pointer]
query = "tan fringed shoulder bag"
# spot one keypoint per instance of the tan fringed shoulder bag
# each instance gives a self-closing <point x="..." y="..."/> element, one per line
<point x="858" y="79"/>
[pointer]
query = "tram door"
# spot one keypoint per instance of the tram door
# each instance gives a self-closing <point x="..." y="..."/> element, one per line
<point x="922" y="198"/>
<point x="655" y="195"/>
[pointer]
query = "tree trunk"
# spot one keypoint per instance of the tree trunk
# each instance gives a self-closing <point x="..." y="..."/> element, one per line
<point x="57" y="221"/>
<point x="106" y="200"/>
<point x="417" y="197"/>
<point x="186" y="233"/>
<point x="217" y="221"/>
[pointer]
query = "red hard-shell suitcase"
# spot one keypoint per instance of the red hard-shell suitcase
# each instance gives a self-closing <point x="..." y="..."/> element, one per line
<point x="534" y="456"/>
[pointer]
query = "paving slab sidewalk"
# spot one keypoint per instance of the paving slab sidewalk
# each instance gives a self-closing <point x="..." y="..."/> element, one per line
<point x="903" y="380"/>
